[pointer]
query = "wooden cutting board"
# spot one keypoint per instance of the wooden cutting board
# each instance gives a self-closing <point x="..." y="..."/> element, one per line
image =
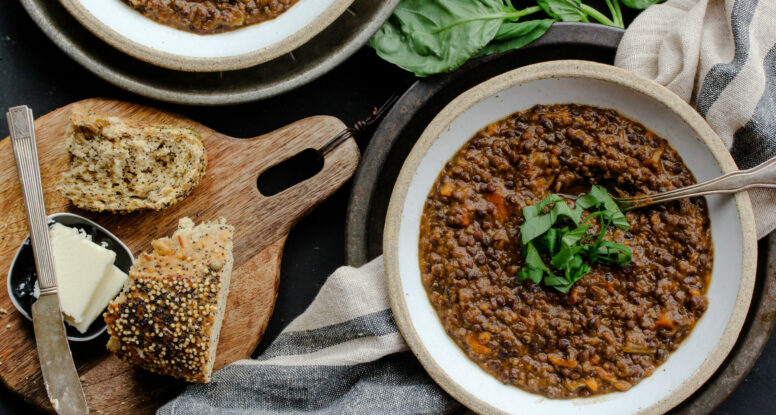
<point x="228" y="189"/>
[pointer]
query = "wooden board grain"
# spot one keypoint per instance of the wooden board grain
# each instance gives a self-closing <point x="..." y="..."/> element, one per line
<point x="228" y="189"/>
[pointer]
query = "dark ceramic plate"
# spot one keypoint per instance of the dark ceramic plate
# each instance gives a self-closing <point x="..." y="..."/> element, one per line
<point x="22" y="275"/>
<point x="308" y="62"/>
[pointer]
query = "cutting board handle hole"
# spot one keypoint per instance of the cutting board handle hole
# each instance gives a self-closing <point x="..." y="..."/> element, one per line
<point x="289" y="172"/>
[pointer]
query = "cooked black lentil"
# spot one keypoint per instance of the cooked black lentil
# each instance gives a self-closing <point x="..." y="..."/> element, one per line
<point x="211" y="16"/>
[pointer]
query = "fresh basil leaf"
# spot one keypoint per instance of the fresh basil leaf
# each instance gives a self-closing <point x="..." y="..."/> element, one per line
<point x="536" y="224"/>
<point x="600" y="194"/>
<point x="564" y="10"/>
<point x="533" y="211"/>
<point x="534" y="227"/>
<point x="560" y="284"/>
<point x="576" y="274"/>
<point x="563" y="245"/>
<point x="554" y="280"/>
<point x="576" y="263"/>
<point x="530" y="212"/>
<point x="431" y="36"/>
<point x="565" y="256"/>
<point x="572" y="237"/>
<point x="522" y="275"/>
<point x="612" y="212"/>
<point x="548" y="241"/>
<point x="639" y="4"/>
<point x="512" y="36"/>
<point x="533" y="259"/>
<point x="535" y="275"/>
<point x="562" y="209"/>
<point x="586" y="201"/>
<point x="614" y="253"/>
<point x="534" y="266"/>
<point x="532" y="274"/>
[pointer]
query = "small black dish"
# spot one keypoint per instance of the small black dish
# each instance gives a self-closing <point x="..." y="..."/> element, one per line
<point x="22" y="275"/>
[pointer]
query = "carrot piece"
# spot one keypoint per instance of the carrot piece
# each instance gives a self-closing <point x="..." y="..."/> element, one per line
<point x="446" y="189"/>
<point x="557" y="361"/>
<point x="666" y="320"/>
<point x="621" y="385"/>
<point x="592" y="384"/>
<point x="604" y="374"/>
<point x="498" y="201"/>
<point x="465" y="220"/>
<point x="476" y="346"/>
<point x="573" y="386"/>
<point x="638" y="349"/>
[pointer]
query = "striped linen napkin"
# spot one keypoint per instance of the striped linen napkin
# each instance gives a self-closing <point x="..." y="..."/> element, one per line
<point x="720" y="56"/>
<point x="343" y="355"/>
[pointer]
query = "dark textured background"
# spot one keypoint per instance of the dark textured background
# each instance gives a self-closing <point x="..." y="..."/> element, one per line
<point x="33" y="71"/>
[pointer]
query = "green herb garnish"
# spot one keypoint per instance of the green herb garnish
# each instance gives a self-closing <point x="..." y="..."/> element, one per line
<point x="428" y="37"/>
<point x="572" y="250"/>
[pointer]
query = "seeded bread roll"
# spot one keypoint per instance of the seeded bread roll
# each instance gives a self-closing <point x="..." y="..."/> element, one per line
<point x="168" y="316"/>
<point x="120" y="167"/>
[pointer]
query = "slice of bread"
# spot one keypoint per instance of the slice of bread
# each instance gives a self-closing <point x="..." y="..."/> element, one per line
<point x="121" y="167"/>
<point x="168" y="317"/>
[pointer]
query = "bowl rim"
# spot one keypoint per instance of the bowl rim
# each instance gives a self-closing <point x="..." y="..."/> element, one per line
<point x="199" y="64"/>
<point x="566" y="69"/>
<point x="49" y="218"/>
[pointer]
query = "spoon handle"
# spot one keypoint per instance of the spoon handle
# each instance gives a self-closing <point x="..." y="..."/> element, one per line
<point x="25" y="151"/>
<point x="763" y="175"/>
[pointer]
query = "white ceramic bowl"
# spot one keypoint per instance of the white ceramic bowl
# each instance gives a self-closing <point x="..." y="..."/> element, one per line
<point x="129" y="31"/>
<point x="604" y="86"/>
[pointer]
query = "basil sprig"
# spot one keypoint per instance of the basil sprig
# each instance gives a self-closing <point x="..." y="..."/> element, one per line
<point x="572" y="250"/>
<point x="427" y="37"/>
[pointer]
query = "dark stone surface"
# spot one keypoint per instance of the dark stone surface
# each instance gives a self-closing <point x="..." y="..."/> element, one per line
<point x="34" y="72"/>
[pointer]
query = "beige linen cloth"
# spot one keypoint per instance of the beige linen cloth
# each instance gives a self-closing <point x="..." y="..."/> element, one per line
<point x="344" y="354"/>
<point x="720" y="56"/>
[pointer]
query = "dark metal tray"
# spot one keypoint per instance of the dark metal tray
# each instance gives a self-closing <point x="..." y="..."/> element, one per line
<point x="396" y="135"/>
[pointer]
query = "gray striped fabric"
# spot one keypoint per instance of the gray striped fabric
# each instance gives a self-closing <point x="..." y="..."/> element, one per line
<point x="720" y="56"/>
<point x="343" y="355"/>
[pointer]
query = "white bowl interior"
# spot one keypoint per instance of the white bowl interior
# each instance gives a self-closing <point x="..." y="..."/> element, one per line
<point x="134" y="26"/>
<point x="726" y="234"/>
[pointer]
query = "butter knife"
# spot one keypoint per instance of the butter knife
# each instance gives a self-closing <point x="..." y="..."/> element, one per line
<point x="56" y="362"/>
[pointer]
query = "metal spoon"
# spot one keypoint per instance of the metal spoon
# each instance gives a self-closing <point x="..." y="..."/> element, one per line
<point x="763" y="175"/>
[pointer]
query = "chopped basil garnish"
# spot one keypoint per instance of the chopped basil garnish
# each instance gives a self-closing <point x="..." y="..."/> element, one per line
<point x="571" y="249"/>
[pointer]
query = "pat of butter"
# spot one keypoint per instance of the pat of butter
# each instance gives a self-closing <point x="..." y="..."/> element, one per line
<point x="80" y="265"/>
<point x="110" y="285"/>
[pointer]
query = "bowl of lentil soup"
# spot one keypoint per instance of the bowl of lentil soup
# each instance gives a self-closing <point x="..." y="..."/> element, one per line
<point x="635" y="338"/>
<point x="206" y="35"/>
